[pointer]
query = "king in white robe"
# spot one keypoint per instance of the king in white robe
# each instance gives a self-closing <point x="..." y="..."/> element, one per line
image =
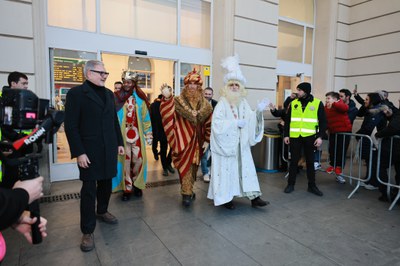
<point x="232" y="171"/>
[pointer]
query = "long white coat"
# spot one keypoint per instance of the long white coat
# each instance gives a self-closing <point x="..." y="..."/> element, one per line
<point x="230" y="161"/>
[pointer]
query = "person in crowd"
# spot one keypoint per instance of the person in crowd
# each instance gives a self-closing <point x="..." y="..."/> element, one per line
<point x="159" y="135"/>
<point x="304" y="126"/>
<point x="206" y="159"/>
<point x="384" y="97"/>
<point x="338" y="122"/>
<point x="234" y="129"/>
<point x="15" y="80"/>
<point x="392" y="129"/>
<point x="281" y="113"/>
<point x="134" y="118"/>
<point x="95" y="140"/>
<point x="13" y="203"/>
<point x="117" y="86"/>
<point x="187" y="123"/>
<point x="345" y="96"/>
<point x="373" y="112"/>
<point x="388" y="103"/>
<point x="153" y="113"/>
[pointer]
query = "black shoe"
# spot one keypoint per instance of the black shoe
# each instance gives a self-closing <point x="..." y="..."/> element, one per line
<point x="137" y="192"/>
<point x="187" y="199"/>
<point x="315" y="190"/>
<point x="165" y="172"/>
<point x="156" y="156"/>
<point x="258" y="202"/>
<point x="171" y="169"/>
<point x="289" y="189"/>
<point x="229" y="205"/>
<point x="126" y="196"/>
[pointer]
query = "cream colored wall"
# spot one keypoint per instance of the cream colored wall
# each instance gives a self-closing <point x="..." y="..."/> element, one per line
<point x="368" y="42"/>
<point x="249" y="29"/>
<point x="16" y="40"/>
<point x="324" y="47"/>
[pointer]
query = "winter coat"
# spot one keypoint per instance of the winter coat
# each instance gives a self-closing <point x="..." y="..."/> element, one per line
<point x="337" y="117"/>
<point x="373" y="117"/>
<point x="92" y="128"/>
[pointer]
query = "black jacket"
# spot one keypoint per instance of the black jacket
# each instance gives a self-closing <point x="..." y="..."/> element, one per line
<point x="352" y="112"/>
<point x="156" y="122"/>
<point x="213" y="103"/>
<point x="92" y="128"/>
<point x="373" y="117"/>
<point x="13" y="202"/>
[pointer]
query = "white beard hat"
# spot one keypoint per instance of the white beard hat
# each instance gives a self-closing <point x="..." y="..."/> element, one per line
<point x="231" y="64"/>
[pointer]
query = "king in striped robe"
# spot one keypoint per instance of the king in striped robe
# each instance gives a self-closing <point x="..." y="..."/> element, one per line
<point x="187" y="129"/>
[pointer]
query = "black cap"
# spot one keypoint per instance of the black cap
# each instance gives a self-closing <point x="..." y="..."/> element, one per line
<point x="305" y="86"/>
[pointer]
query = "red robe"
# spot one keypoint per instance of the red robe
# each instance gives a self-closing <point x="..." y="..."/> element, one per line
<point x="186" y="130"/>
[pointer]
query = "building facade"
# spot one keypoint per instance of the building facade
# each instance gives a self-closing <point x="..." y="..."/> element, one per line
<point x="333" y="44"/>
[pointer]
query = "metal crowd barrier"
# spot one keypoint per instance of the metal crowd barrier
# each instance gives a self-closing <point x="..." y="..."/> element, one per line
<point x="354" y="171"/>
<point x="389" y="183"/>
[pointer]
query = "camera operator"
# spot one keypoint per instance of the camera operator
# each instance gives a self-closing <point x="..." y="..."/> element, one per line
<point x="16" y="80"/>
<point x="13" y="203"/>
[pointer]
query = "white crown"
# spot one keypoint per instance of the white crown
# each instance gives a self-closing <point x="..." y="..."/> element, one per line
<point x="231" y="64"/>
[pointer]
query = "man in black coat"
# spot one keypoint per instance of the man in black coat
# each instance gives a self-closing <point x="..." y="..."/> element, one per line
<point x="95" y="139"/>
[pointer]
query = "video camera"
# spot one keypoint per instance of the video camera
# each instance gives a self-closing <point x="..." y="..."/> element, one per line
<point x="22" y="110"/>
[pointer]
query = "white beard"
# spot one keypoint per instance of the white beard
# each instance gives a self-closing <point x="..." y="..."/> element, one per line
<point x="234" y="98"/>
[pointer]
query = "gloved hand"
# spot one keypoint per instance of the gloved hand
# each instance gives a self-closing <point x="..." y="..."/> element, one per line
<point x="263" y="104"/>
<point x="241" y="123"/>
<point x="166" y="91"/>
<point x="205" y="146"/>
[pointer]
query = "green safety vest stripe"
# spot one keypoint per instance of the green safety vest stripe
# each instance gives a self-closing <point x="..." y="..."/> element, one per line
<point x="304" y="123"/>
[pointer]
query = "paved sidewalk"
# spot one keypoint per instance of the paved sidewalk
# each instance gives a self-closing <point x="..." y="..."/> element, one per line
<point x="295" y="229"/>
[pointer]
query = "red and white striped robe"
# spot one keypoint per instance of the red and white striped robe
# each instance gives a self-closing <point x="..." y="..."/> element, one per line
<point x="184" y="137"/>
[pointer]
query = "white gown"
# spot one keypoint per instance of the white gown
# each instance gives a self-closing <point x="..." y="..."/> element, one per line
<point x="232" y="170"/>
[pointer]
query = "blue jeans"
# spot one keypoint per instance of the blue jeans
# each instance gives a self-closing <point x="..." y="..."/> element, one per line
<point x="204" y="169"/>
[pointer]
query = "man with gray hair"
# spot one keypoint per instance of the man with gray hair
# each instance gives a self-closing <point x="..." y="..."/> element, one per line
<point x="95" y="139"/>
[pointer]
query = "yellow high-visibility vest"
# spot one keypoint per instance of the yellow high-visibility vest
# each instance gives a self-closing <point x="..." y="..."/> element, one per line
<point x="304" y="123"/>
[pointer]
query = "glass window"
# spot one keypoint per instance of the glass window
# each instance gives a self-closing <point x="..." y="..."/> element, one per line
<point x="72" y="14"/>
<point x="203" y="70"/>
<point x="195" y="23"/>
<point x="153" y="20"/>
<point x="300" y="10"/>
<point x="290" y="42"/>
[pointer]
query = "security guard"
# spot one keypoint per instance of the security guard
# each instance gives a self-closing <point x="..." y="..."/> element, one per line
<point x="304" y="125"/>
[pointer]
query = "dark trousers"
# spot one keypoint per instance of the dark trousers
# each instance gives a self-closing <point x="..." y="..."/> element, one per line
<point x="154" y="146"/>
<point x="296" y="145"/>
<point x="166" y="160"/>
<point x="338" y="145"/>
<point x="100" y="189"/>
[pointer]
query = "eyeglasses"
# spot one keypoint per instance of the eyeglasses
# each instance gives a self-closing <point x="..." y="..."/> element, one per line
<point x="102" y="73"/>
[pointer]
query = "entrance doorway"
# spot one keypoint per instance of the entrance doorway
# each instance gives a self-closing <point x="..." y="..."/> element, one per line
<point x="286" y="85"/>
<point x="67" y="72"/>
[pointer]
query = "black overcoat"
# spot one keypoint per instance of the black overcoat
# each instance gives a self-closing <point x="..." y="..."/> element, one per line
<point x="92" y="128"/>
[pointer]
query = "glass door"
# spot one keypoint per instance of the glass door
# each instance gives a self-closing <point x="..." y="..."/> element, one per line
<point x="66" y="71"/>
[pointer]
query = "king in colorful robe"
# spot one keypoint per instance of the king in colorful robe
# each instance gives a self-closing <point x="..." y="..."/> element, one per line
<point x="134" y="117"/>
